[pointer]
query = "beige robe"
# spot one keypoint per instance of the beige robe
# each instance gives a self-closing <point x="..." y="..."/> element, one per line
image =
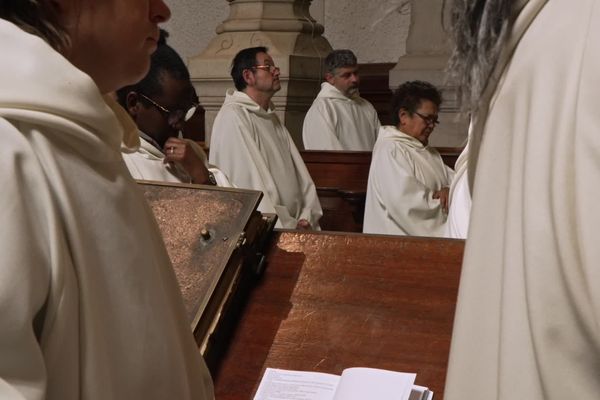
<point x="90" y="307"/>
<point x="336" y="122"/>
<point x="253" y="148"/>
<point x="527" y="323"/>
<point x="403" y="176"/>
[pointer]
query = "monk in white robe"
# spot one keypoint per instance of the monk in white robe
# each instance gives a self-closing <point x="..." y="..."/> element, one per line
<point x="91" y="308"/>
<point x="161" y="104"/>
<point x="148" y="163"/>
<point x="339" y="119"/>
<point x="337" y="122"/>
<point x="408" y="183"/>
<point x="527" y="322"/>
<point x="253" y="148"/>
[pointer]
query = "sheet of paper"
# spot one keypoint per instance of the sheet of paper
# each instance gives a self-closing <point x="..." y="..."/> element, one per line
<point x="370" y="383"/>
<point x="280" y="384"/>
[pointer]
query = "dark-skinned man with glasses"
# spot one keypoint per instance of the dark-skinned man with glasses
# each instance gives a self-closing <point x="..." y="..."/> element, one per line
<point x="160" y="105"/>
<point x="408" y="187"/>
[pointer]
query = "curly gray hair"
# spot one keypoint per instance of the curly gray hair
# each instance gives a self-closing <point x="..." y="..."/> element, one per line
<point x="479" y="29"/>
<point x="338" y="59"/>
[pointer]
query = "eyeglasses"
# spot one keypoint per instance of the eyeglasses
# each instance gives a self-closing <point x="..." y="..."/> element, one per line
<point x="176" y="116"/>
<point x="270" y="68"/>
<point x="429" y="119"/>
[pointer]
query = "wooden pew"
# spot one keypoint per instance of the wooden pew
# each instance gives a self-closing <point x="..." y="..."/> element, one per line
<point x="341" y="180"/>
<point x="327" y="302"/>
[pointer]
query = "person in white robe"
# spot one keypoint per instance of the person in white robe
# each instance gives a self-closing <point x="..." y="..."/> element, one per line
<point x="91" y="308"/>
<point x="339" y="119"/>
<point x="459" y="199"/>
<point x="160" y="105"/>
<point x="527" y="321"/>
<point x="148" y="163"/>
<point x="253" y="148"/>
<point x="407" y="191"/>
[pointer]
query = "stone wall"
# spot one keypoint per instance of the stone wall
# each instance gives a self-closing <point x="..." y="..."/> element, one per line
<point x="377" y="33"/>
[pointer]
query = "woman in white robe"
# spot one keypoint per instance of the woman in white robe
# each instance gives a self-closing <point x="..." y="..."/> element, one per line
<point x="527" y="322"/>
<point x="89" y="302"/>
<point x="407" y="192"/>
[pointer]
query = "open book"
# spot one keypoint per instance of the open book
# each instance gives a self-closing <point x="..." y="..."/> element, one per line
<point x="354" y="384"/>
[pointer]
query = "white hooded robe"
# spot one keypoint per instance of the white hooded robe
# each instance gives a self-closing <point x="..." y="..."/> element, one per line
<point x="253" y="148"/>
<point x="337" y="122"/>
<point x="403" y="176"/>
<point x="527" y="322"/>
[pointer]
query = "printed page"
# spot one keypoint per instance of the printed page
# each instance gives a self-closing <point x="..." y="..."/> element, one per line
<point x="281" y="384"/>
<point x="370" y="383"/>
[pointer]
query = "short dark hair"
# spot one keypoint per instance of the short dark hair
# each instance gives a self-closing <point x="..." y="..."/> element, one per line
<point x="164" y="60"/>
<point x="338" y="59"/>
<point x="409" y="95"/>
<point x="245" y="59"/>
<point x="37" y="17"/>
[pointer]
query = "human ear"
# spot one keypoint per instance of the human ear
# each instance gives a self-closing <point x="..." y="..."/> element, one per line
<point x="248" y="76"/>
<point x="133" y="104"/>
<point x="329" y="78"/>
<point x="402" y="116"/>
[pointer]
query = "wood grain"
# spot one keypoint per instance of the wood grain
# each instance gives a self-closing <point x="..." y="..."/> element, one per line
<point x="330" y="301"/>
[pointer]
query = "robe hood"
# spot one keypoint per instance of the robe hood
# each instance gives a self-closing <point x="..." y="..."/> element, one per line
<point x="243" y="100"/>
<point x="328" y="91"/>
<point x="58" y="95"/>
<point x="392" y="133"/>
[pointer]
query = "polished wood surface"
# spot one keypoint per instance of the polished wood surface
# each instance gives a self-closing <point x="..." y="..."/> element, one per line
<point x="330" y="301"/>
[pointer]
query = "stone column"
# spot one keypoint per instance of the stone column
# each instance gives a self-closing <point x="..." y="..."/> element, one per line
<point x="428" y="49"/>
<point x="295" y="42"/>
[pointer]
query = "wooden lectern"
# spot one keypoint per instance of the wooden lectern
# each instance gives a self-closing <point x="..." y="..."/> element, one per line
<point x="324" y="302"/>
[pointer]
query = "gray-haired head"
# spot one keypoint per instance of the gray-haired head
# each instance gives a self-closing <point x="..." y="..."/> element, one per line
<point x="338" y="59"/>
<point x="479" y="29"/>
<point x="38" y="17"/>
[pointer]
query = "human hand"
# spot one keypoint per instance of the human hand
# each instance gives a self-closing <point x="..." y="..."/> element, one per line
<point x="180" y="151"/>
<point x="443" y="195"/>
<point x="303" y="225"/>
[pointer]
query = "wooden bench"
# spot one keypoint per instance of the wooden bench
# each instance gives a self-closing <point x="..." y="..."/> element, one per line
<point x="327" y="302"/>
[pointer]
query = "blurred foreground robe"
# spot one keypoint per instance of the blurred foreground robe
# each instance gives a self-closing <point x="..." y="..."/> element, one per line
<point x="90" y="307"/>
<point x="527" y="324"/>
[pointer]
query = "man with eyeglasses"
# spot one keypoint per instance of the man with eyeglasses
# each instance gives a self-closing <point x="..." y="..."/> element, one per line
<point x="160" y="104"/>
<point x="255" y="150"/>
<point x="407" y="193"/>
<point x="339" y="119"/>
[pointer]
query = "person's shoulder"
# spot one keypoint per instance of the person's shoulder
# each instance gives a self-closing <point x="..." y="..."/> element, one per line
<point x="361" y="101"/>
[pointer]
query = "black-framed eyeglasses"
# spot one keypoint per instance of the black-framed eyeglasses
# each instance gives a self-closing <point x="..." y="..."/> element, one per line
<point x="429" y="119"/>
<point x="176" y="116"/>
<point x="270" y="68"/>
